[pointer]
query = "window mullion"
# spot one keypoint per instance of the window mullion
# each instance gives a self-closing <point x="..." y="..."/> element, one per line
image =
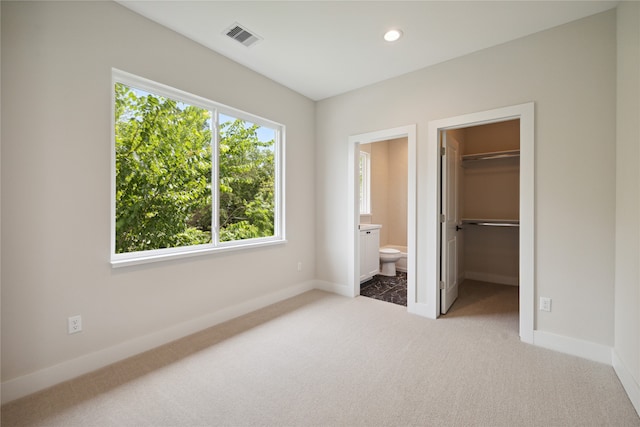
<point x="215" y="176"/>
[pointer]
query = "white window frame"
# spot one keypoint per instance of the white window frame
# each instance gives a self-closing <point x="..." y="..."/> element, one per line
<point x="141" y="257"/>
<point x="365" y="183"/>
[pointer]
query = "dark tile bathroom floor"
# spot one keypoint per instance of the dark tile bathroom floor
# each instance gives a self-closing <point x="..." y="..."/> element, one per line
<point x="385" y="288"/>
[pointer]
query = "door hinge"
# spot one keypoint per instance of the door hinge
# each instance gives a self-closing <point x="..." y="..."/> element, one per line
<point x="442" y="151"/>
<point x="441" y="284"/>
<point x="442" y="218"/>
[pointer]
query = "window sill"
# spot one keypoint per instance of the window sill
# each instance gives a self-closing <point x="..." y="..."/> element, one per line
<point x="126" y="260"/>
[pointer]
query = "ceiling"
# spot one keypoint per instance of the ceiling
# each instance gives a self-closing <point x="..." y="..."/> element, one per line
<point x="325" y="48"/>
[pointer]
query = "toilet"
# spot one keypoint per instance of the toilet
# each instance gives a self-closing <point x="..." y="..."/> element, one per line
<point x="388" y="258"/>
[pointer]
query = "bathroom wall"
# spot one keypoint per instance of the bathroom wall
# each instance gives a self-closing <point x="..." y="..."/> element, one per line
<point x="380" y="188"/>
<point x="397" y="198"/>
<point x="389" y="190"/>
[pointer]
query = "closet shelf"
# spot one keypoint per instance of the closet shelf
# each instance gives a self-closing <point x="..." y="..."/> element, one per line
<point x="472" y="158"/>
<point x="492" y="222"/>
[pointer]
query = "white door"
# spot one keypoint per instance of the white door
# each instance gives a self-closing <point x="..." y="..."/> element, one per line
<point x="449" y="227"/>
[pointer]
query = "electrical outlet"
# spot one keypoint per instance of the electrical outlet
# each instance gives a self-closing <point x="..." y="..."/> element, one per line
<point x="545" y="304"/>
<point x="74" y="324"/>
<point x="299" y="266"/>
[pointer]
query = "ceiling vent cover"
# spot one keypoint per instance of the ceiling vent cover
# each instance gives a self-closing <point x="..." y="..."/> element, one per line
<point x="242" y="35"/>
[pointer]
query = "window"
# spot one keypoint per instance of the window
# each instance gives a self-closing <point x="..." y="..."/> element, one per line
<point x="189" y="175"/>
<point x="365" y="183"/>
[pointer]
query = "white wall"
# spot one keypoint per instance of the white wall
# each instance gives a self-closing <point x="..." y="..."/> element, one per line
<point x="627" y="276"/>
<point x="569" y="72"/>
<point x="56" y="95"/>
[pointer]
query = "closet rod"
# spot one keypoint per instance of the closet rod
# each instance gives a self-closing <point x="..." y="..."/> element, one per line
<point x="494" y="224"/>
<point x="490" y="156"/>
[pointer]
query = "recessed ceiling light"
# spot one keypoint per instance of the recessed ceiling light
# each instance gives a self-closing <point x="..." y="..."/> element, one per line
<point x="392" y="35"/>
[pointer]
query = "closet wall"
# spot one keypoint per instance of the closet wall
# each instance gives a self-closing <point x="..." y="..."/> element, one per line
<point x="490" y="191"/>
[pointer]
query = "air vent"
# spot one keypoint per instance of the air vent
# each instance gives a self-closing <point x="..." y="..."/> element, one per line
<point x="242" y="35"/>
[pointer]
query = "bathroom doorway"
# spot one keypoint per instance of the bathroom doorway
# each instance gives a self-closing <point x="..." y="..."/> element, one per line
<point x="383" y="220"/>
<point x="387" y="138"/>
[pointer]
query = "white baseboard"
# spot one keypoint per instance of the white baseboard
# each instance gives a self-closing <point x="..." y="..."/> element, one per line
<point x="592" y="351"/>
<point x="27" y="384"/>
<point x="335" y="288"/>
<point x="628" y="381"/>
<point x="491" y="278"/>
<point x="573" y="346"/>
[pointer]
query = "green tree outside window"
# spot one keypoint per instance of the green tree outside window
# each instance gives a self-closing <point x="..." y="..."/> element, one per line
<point x="164" y="195"/>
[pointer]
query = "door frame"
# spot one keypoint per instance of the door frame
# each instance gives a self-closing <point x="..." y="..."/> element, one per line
<point x="408" y="132"/>
<point x="431" y="239"/>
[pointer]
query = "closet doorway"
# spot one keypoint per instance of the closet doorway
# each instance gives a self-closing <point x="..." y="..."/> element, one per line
<point x="464" y="224"/>
<point x="480" y="174"/>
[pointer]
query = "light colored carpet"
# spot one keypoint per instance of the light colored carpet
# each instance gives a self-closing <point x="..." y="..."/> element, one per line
<point x="324" y="360"/>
